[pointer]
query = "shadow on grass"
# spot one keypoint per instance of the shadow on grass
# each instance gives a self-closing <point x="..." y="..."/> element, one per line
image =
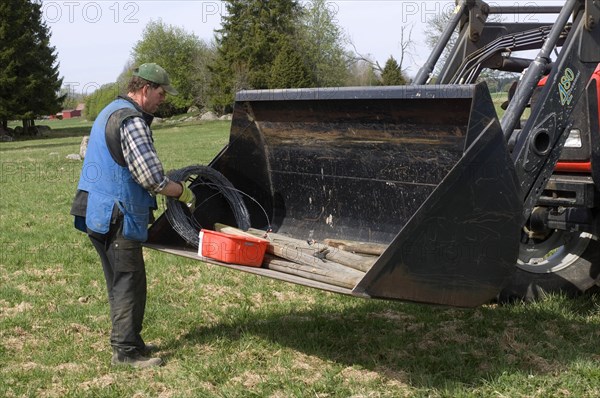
<point x="423" y="345"/>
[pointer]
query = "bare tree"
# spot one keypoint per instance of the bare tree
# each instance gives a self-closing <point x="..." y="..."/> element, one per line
<point x="406" y="49"/>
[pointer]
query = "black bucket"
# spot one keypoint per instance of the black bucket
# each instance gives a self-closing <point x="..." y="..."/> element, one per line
<point x="422" y="169"/>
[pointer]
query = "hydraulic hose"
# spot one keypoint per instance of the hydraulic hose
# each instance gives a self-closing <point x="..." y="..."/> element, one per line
<point x="534" y="72"/>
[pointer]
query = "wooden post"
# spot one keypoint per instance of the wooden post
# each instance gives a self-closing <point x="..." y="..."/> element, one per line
<point x="301" y="251"/>
<point x="328" y="276"/>
<point x="360" y="263"/>
<point x="299" y="262"/>
<point x="357" y="247"/>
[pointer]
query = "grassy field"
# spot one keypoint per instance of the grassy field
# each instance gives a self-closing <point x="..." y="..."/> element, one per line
<point x="229" y="334"/>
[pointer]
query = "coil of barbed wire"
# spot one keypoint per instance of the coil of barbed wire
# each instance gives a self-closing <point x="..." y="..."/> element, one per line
<point x="179" y="216"/>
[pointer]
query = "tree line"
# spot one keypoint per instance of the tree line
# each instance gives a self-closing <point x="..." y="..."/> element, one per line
<point x="260" y="45"/>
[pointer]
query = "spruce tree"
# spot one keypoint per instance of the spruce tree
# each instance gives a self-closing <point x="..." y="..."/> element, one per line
<point x="10" y="15"/>
<point x="247" y="45"/>
<point x="289" y="68"/>
<point x="29" y="81"/>
<point x="392" y="75"/>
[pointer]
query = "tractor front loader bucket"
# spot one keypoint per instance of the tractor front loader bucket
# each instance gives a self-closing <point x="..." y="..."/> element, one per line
<point x="421" y="169"/>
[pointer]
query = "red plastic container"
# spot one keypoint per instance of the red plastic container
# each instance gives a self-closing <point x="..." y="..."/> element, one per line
<point x="232" y="249"/>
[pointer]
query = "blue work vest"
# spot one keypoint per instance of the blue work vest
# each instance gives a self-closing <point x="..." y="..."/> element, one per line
<point x="109" y="184"/>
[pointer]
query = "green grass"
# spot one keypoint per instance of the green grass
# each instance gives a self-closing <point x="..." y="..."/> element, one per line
<point x="225" y="333"/>
<point x="500" y="97"/>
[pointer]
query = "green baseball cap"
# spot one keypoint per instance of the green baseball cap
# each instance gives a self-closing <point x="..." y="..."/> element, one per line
<point x="155" y="74"/>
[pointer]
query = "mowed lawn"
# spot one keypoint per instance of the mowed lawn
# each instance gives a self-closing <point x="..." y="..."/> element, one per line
<point x="225" y="333"/>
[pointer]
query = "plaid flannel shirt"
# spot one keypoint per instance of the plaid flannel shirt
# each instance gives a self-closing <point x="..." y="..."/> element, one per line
<point x="140" y="155"/>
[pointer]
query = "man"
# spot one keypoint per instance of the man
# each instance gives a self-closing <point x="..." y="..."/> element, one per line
<point x="120" y="177"/>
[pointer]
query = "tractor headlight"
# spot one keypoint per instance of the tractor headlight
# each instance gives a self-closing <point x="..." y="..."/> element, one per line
<point x="574" y="139"/>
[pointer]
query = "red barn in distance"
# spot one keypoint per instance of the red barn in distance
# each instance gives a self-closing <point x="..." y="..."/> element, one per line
<point x="69" y="113"/>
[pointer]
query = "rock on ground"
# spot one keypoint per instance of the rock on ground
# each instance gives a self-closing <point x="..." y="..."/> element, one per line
<point x="73" y="156"/>
<point x="83" y="146"/>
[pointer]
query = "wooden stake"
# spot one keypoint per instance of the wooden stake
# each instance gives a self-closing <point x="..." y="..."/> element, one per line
<point x="320" y="250"/>
<point x="293" y="250"/>
<point x="312" y="273"/>
<point x="357" y="247"/>
<point x="290" y="248"/>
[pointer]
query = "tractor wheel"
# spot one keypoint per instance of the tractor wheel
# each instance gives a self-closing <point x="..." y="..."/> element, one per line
<point x="567" y="262"/>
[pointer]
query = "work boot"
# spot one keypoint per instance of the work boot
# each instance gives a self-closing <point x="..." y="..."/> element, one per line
<point x="148" y="349"/>
<point x="135" y="360"/>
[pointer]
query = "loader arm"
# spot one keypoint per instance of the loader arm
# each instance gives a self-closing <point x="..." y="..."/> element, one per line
<point x="416" y="266"/>
<point x="539" y="144"/>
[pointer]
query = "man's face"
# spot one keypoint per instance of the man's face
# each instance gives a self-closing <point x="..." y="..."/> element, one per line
<point x="153" y="97"/>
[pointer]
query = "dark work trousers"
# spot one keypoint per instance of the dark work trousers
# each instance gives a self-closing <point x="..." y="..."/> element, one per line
<point x="125" y="274"/>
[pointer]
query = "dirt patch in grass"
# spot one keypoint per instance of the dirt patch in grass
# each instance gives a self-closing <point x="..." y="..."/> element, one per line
<point x="248" y="379"/>
<point x="359" y="375"/>
<point x="397" y="378"/>
<point x="54" y="390"/>
<point x="7" y="310"/>
<point x="15" y="339"/>
<point x="288" y="296"/>
<point x="210" y="291"/>
<point x="69" y="367"/>
<point x="521" y="353"/>
<point x="453" y="332"/>
<point x="46" y="274"/>
<point x="98" y="382"/>
<point x="307" y="369"/>
<point x="28" y="290"/>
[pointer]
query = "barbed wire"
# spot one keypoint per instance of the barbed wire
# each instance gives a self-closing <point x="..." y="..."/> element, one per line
<point x="183" y="220"/>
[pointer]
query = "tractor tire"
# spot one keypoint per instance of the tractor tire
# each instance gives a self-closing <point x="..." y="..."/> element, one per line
<point x="563" y="262"/>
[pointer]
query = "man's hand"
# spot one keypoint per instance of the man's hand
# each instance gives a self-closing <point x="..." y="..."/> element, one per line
<point x="187" y="197"/>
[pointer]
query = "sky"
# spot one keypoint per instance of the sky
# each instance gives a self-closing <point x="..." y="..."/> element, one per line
<point x="94" y="39"/>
